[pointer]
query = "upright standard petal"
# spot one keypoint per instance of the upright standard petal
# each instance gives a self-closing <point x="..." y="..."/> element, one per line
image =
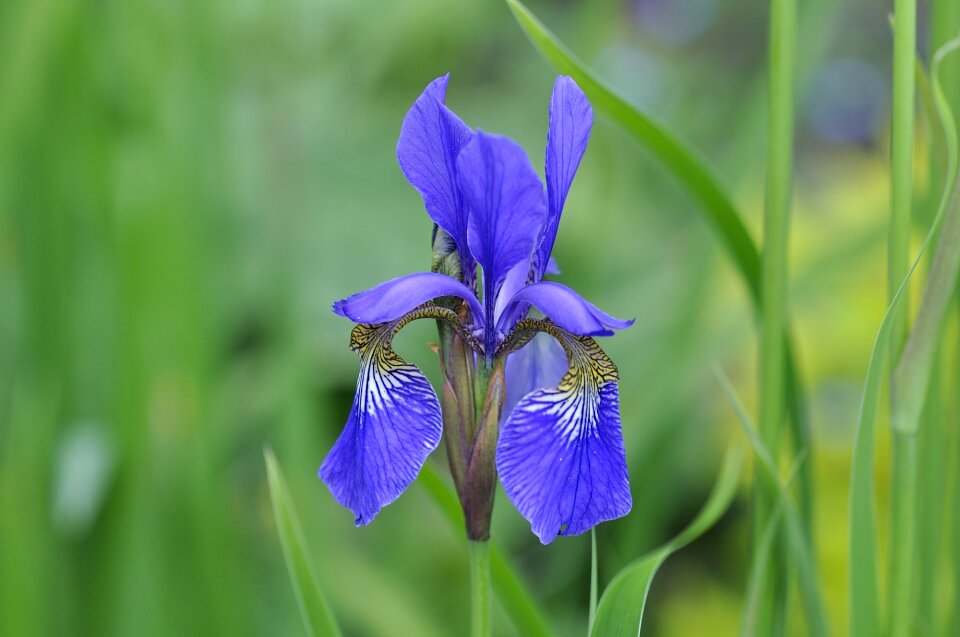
<point x="394" y="298"/>
<point x="506" y="207"/>
<point x="517" y="277"/>
<point x="393" y="426"/>
<point x="571" y="118"/>
<point x="560" y="455"/>
<point x="430" y="140"/>
<point x="566" y="308"/>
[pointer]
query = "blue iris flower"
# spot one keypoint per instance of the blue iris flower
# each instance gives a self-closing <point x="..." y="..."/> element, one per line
<point x="559" y="449"/>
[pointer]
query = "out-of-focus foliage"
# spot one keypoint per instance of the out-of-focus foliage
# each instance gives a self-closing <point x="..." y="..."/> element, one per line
<point x="186" y="186"/>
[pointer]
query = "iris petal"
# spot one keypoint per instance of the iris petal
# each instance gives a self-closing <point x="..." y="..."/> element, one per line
<point x="430" y="140"/>
<point x="515" y="280"/>
<point x="571" y="118"/>
<point x="506" y="206"/>
<point x="560" y="455"/>
<point x="539" y="364"/>
<point x="566" y="308"/>
<point x="393" y="426"/>
<point x="392" y="299"/>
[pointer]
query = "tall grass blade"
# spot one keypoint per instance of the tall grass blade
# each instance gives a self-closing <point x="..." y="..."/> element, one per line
<point x="510" y="590"/>
<point x="912" y="374"/>
<point x="901" y="154"/>
<point x="317" y="617"/>
<point x="803" y="556"/>
<point x="686" y="164"/>
<point x="620" y="612"/>
<point x="911" y="380"/>
<point x="864" y="595"/>
<point x="904" y="466"/>
<point x="758" y="568"/>
<point x="772" y="610"/>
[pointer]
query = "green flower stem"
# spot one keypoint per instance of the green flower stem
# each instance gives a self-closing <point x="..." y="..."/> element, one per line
<point x="773" y="285"/>
<point x="901" y="157"/>
<point x="904" y="479"/>
<point x="480" y="607"/>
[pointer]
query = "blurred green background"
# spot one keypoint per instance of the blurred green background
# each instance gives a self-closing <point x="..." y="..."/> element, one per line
<point x="186" y="186"/>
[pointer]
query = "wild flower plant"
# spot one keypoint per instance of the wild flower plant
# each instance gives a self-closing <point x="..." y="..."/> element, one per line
<point x="531" y="398"/>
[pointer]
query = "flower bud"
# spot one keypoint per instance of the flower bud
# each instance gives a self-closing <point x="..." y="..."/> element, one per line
<point x="481" y="477"/>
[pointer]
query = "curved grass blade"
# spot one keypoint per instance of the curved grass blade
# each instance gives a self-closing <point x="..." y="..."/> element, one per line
<point x="695" y="173"/>
<point x="758" y="569"/>
<point x="507" y="585"/>
<point x="755" y="582"/>
<point x="317" y="617"/>
<point x="682" y="160"/>
<point x="909" y="389"/>
<point x="621" y="607"/>
<point x="864" y="593"/>
<point x="803" y="557"/>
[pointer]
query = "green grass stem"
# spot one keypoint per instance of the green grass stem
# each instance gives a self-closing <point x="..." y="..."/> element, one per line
<point x="904" y="479"/>
<point x="901" y="156"/>
<point x="944" y="24"/>
<point x="911" y="376"/>
<point x="796" y="541"/>
<point x="773" y="288"/>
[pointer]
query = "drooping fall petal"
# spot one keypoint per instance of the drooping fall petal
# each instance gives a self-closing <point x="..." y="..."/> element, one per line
<point x="394" y="424"/>
<point x="566" y="308"/>
<point x="560" y="455"/>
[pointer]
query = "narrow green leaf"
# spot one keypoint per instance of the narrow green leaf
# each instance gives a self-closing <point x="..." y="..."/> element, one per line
<point x="803" y="557"/>
<point x="692" y="170"/>
<point x="756" y="581"/>
<point x="681" y="159"/>
<point x="621" y="607"/>
<point x="317" y="617"/>
<point x="758" y="568"/>
<point x="911" y="376"/>
<point x="510" y="590"/>
<point x="864" y="591"/>
<point x="782" y="45"/>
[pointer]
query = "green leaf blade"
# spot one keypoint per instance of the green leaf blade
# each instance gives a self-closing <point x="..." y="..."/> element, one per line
<point x="864" y="589"/>
<point x="318" y="619"/>
<point x="622" y="604"/>
<point x="803" y="557"/>
<point x="682" y="160"/>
